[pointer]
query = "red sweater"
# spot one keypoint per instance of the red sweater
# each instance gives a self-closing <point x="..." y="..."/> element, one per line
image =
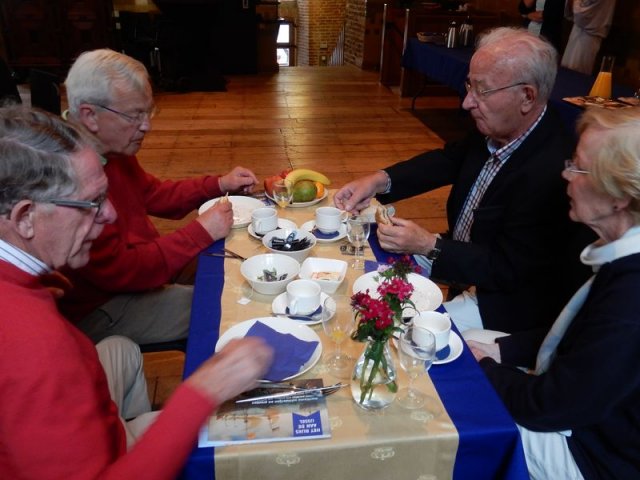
<point x="130" y="255"/>
<point x="57" y="419"/>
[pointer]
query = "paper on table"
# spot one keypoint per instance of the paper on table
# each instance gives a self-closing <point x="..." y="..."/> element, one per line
<point x="290" y="353"/>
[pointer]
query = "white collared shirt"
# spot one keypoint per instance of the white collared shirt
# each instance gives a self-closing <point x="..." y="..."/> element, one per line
<point x="21" y="259"/>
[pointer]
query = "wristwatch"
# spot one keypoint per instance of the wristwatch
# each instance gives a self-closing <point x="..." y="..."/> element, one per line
<point x="437" y="248"/>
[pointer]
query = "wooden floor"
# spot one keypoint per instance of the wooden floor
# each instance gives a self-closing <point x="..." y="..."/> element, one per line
<point x="336" y="120"/>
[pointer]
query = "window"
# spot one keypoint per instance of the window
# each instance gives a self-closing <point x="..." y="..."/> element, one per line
<point x="285" y="44"/>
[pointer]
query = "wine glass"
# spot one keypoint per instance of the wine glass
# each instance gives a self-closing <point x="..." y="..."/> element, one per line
<point x="358" y="229"/>
<point x="282" y="193"/>
<point x="337" y="325"/>
<point x="416" y="350"/>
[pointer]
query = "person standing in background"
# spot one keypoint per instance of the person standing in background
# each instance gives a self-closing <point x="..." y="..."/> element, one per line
<point x="544" y="18"/>
<point x="591" y="23"/>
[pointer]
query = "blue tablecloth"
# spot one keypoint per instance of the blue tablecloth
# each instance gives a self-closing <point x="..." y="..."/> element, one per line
<point x="450" y="66"/>
<point x="490" y="446"/>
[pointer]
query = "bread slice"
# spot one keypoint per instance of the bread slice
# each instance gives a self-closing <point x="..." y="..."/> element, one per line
<point x="382" y="216"/>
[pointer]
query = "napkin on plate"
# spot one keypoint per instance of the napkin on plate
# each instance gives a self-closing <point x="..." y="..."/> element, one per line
<point x="290" y="353"/>
<point x="324" y="236"/>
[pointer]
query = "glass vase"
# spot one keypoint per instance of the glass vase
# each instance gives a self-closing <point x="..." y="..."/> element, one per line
<point x="373" y="382"/>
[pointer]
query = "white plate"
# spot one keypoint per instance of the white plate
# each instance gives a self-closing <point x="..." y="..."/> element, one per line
<point x="303" y="204"/>
<point x="282" y="223"/>
<point x="242" y="208"/>
<point x="311" y="224"/>
<point x="455" y="349"/>
<point x="426" y="294"/>
<point x="279" y="306"/>
<point x="281" y="325"/>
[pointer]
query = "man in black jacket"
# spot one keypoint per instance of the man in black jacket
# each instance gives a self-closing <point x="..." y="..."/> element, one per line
<point x="507" y="210"/>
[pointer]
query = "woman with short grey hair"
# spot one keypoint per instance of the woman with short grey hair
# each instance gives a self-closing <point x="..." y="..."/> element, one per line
<point x="578" y="408"/>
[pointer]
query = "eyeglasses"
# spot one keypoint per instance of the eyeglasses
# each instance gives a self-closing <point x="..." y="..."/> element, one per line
<point x="80" y="204"/>
<point x="135" y="119"/>
<point x="570" y="166"/>
<point x="485" y="93"/>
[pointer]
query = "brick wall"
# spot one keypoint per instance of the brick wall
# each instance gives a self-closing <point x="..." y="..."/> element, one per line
<point x="354" y="31"/>
<point x="319" y="24"/>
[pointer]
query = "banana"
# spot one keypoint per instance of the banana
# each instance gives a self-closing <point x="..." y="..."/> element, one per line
<point x="305" y="174"/>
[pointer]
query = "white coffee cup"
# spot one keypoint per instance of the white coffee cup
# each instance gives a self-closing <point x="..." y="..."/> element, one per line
<point x="437" y="323"/>
<point x="303" y="297"/>
<point x="329" y="219"/>
<point x="263" y="220"/>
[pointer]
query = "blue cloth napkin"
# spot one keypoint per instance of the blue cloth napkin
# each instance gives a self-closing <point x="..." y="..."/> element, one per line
<point x="324" y="236"/>
<point x="290" y="353"/>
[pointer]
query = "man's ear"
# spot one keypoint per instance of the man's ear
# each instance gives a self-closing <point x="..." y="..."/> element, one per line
<point x="88" y="117"/>
<point x="22" y="216"/>
<point x="529" y="96"/>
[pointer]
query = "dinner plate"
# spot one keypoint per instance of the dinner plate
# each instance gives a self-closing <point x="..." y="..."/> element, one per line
<point x="426" y="294"/>
<point x="310" y="226"/>
<point x="303" y="204"/>
<point x="455" y="349"/>
<point x="242" y="208"/>
<point x="281" y="325"/>
<point x="279" y="306"/>
<point x="282" y="223"/>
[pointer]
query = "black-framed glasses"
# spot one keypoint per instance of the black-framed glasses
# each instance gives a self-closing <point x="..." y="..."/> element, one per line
<point x="80" y="204"/>
<point x="485" y="93"/>
<point x="570" y="166"/>
<point x="137" y="118"/>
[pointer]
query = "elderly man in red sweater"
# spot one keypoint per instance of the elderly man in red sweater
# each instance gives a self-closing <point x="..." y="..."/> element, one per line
<point x="128" y="286"/>
<point x="57" y="417"/>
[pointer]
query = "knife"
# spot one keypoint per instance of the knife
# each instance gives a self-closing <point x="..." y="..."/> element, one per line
<point x="318" y="392"/>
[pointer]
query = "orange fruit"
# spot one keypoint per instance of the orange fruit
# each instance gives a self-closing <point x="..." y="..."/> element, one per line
<point x="320" y="189"/>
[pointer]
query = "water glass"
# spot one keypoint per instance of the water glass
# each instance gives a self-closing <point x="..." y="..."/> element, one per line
<point x="337" y="325"/>
<point x="358" y="229"/>
<point x="415" y="359"/>
<point x="282" y="193"/>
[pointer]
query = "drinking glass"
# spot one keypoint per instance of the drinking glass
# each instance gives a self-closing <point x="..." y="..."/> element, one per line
<point x="358" y="229"/>
<point x="282" y="193"/>
<point x="337" y="325"/>
<point x="416" y="351"/>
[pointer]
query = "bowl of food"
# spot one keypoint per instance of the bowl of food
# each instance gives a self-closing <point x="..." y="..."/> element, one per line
<point x="269" y="273"/>
<point x="294" y="243"/>
<point x="329" y="273"/>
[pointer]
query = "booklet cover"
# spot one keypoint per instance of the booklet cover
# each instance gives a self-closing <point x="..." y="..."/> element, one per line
<point x="298" y="417"/>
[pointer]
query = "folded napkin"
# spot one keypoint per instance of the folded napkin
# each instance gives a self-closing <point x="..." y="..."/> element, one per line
<point x="290" y="353"/>
<point x="324" y="236"/>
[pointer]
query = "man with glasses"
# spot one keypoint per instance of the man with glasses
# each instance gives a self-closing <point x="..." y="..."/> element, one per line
<point x="507" y="209"/>
<point x="135" y="283"/>
<point x="65" y="401"/>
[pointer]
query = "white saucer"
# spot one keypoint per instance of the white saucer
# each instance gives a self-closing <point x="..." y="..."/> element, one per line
<point x="311" y="224"/>
<point x="282" y="223"/>
<point x="455" y="347"/>
<point x="279" y="307"/>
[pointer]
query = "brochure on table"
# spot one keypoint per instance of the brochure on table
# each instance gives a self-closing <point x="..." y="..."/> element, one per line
<point x="299" y="417"/>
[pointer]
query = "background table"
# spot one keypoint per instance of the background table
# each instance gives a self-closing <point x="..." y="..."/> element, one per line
<point x="389" y="444"/>
<point x="450" y="66"/>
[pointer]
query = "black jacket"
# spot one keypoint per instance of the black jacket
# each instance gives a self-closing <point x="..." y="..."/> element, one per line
<point x="522" y="240"/>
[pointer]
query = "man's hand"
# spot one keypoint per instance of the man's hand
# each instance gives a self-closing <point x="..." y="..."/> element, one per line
<point x="481" y="350"/>
<point x="239" y="179"/>
<point x="405" y="236"/>
<point x="217" y="220"/>
<point x="356" y="196"/>
<point x="233" y="370"/>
